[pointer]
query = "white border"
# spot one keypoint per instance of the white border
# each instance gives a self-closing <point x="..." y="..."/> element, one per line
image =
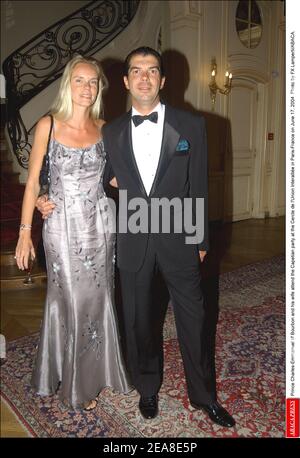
<point x="292" y="199"/>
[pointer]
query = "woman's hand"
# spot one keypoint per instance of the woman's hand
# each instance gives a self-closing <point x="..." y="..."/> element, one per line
<point x="24" y="249"/>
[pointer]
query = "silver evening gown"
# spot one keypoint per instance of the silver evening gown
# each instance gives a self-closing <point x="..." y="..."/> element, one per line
<point x="79" y="349"/>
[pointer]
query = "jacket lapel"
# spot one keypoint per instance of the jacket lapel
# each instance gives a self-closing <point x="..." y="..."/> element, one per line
<point x="169" y="142"/>
<point x="125" y="146"/>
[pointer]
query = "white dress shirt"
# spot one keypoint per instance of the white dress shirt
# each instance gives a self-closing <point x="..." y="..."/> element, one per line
<point x="146" y="143"/>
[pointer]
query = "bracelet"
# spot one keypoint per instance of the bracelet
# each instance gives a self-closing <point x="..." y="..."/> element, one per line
<point x="25" y="226"/>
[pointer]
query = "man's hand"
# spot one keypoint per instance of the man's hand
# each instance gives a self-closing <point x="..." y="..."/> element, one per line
<point x="113" y="182"/>
<point x="45" y="206"/>
<point x="202" y="255"/>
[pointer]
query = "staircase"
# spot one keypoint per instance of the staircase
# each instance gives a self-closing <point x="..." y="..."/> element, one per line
<point x="28" y="71"/>
<point x="11" y="192"/>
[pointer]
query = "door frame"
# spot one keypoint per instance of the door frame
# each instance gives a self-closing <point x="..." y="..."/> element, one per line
<point x="259" y="143"/>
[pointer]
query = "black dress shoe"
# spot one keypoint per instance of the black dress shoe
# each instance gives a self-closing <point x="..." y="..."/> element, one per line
<point x="216" y="413"/>
<point x="149" y="406"/>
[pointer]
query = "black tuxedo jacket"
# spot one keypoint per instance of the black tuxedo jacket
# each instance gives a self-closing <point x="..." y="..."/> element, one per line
<point x="181" y="173"/>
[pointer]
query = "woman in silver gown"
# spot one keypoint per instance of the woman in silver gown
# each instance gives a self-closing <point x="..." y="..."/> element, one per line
<point x="79" y="348"/>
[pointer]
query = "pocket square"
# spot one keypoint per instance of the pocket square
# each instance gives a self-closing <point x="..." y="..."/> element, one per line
<point x="183" y="145"/>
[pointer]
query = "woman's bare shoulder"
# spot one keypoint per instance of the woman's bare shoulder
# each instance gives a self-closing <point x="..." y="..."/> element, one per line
<point x="41" y="135"/>
<point x="43" y="125"/>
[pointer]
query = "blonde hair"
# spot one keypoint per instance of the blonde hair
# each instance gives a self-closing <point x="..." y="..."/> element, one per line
<point x="62" y="107"/>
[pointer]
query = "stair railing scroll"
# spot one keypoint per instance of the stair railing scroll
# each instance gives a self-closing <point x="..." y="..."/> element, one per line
<point x="39" y="62"/>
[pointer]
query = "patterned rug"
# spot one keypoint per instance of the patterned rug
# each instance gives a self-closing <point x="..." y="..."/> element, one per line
<point x="250" y="361"/>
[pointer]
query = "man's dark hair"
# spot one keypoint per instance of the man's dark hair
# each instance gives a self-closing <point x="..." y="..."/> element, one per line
<point x="144" y="51"/>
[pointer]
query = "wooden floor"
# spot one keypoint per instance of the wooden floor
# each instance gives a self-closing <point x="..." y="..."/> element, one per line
<point x="232" y="246"/>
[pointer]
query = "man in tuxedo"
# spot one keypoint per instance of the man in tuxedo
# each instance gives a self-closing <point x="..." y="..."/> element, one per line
<point x="159" y="153"/>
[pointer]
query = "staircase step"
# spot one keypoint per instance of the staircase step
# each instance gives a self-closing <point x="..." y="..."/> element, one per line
<point x="11" y="202"/>
<point x="7" y="166"/>
<point x="13" y="177"/>
<point x="11" y="211"/>
<point x="7" y="254"/>
<point x="13" y="272"/>
<point x="9" y="233"/>
<point x="3" y="145"/>
<point x="8" y="258"/>
<point x="8" y="249"/>
<point x="13" y="278"/>
<point x="38" y="281"/>
<point x="13" y="192"/>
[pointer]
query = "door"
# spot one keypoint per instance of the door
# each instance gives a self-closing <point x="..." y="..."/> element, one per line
<point x="240" y="151"/>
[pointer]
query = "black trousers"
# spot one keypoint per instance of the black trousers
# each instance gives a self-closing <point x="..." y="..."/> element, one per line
<point x="143" y="320"/>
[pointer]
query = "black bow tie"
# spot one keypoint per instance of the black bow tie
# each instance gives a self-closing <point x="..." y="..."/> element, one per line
<point x="138" y="119"/>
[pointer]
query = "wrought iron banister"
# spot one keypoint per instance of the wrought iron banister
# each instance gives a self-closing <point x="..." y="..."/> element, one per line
<point x="40" y="61"/>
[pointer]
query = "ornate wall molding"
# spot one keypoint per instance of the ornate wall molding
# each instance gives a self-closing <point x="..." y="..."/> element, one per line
<point x="247" y="65"/>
